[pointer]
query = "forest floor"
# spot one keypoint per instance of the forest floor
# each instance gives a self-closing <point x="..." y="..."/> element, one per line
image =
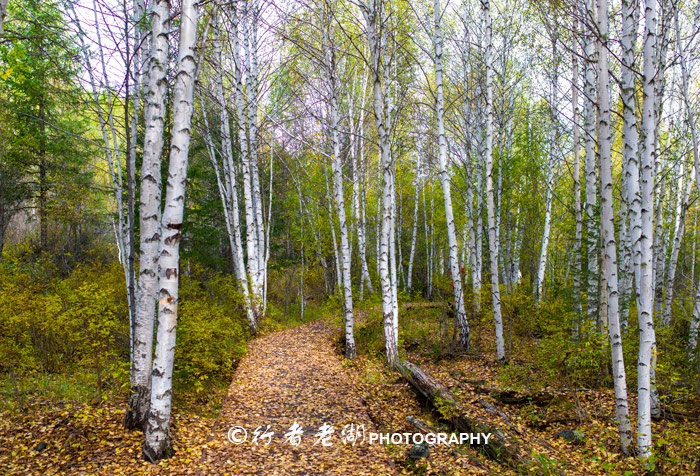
<point x="298" y="375"/>
<point x="293" y="379"/>
<point x="532" y="413"/>
<point x="287" y="377"/>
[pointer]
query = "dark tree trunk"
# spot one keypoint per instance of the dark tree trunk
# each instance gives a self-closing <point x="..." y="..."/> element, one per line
<point x="43" y="225"/>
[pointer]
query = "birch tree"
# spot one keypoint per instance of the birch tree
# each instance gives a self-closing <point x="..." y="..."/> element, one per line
<point x="549" y="180"/>
<point x="228" y="188"/>
<point x="157" y="444"/>
<point x="690" y="121"/>
<point x="608" y="227"/>
<point x="149" y="213"/>
<point x="577" y="192"/>
<point x="630" y="140"/>
<point x="646" y="240"/>
<point x="250" y="15"/>
<point x="684" y="189"/>
<point x="493" y="230"/>
<point x="375" y="25"/>
<point x="460" y="311"/>
<point x="418" y="185"/>
<point x="590" y="165"/>
<point x="336" y="166"/>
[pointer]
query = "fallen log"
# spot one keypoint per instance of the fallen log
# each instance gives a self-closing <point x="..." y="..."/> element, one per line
<point x="505" y="395"/>
<point x="422" y="305"/>
<point x="501" y="447"/>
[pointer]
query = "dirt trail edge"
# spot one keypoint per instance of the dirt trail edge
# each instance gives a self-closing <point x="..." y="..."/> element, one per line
<point x="293" y="376"/>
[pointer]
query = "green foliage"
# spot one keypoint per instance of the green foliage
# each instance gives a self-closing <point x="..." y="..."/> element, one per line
<point x="212" y="330"/>
<point x="57" y="325"/>
<point x="54" y="323"/>
<point x="553" y="354"/>
<point x="45" y="161"/>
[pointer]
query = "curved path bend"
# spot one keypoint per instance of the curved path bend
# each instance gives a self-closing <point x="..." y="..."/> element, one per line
<point x="294" y="376"/>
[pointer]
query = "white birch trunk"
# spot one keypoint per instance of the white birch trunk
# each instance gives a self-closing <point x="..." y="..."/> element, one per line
<point x="608" y="228"/>
<point x="418" y="184"/>
<point x="362" y="225"/>
<point x="250" y="46"/>
<point x="493" y="230"/>
<point x="630" y="140"/>
<point x="646" y="289"/>
<point x="158" y="443"/>
<point x="144" y="318"/>
<point x="590" y="171"/>
<point x="372" y="11"/>
<point x="538" y="290"/>
<point x="336" y="166"/>
<point x="230" y="199"/>
<point x="331" y="225"/>
<point x="685" y="187"/>
<point x="690" y="118"/>
<point x="252" y="239"/>
<point x="577" y="196"/>
<point x="460" y="311"/>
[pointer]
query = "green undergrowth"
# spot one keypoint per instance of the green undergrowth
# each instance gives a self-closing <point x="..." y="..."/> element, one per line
<point x="66" y="333"/>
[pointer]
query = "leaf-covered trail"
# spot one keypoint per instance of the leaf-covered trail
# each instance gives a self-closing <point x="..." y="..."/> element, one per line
<point x="293" y="376"/>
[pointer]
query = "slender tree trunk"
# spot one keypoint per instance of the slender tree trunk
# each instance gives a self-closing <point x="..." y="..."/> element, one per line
<point x="373" y="13"/>
<point x="43" y="184"/>
<point x="577" y="197"/>
<point x="149" y="213"/>
<point x="685" y="187"/>
<point x="336" y="166"/>
<point x="250" y="46"/>
<point x="230" y="195"/>
<point x="418" y="185"/>
<point x="252" y="241"/>
<point x="493" y="230"/>
<point x="646" y="297"/>
<point x="362" y="224"/>
<point x="157" y="444"/>
<point x="137" y="61"/>
<point x="539" y="290"/>
<point x="608" y="226"/>
<point x="331" y="225"/>
<point x="460" y="311"/>
<point x="630" y="143"/>
<point x="590" y="171"/>
<point x="690" y="118"/>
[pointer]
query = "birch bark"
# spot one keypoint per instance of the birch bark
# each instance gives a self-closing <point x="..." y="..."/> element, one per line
<point x="460" y="311"/>
<point x="538" y="290"/>
<point x="250" y="46"/>
<point x="252" y="239"/>
<point x="493" y="231"/>
<point x="646" y="289"/>
<point x="231" y="198"/>
<point x="577" y="195"/>
<point x="690" y="119"/>
<point x="608" y="228"/>
<point x="157" y="444"/>
<point x="630" y="139"/>
<point x="149" y="213"/>
<point x="590" y="169"/>
<point x="336" y="166"/>
<point x="373" y="14"/>
<point x="418" y="181"/>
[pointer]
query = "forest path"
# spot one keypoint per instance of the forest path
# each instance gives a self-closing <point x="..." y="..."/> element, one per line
<point x="293" y="376"/>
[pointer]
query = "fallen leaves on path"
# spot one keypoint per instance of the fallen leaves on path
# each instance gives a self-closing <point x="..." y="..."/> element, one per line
<point x="287" y="378"/>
